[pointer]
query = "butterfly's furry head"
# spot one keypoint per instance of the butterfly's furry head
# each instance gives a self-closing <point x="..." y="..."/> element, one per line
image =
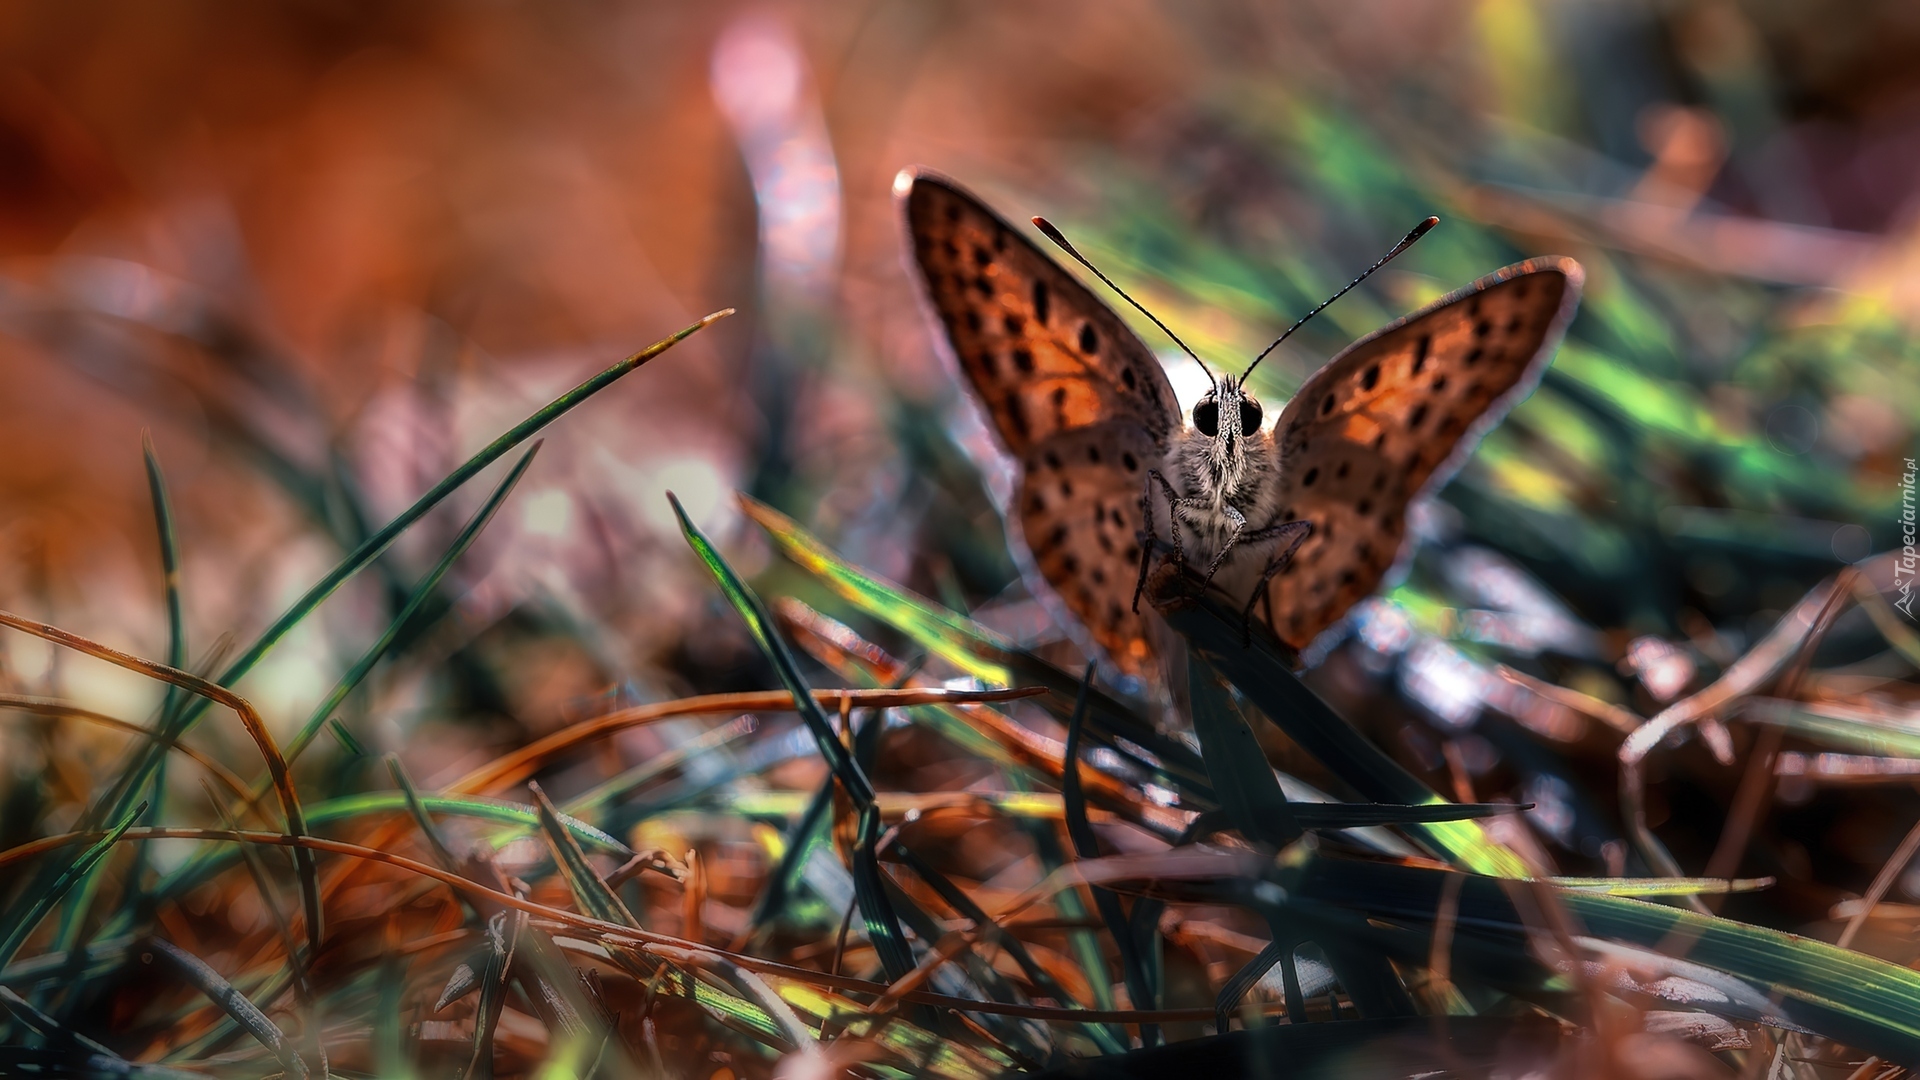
<point x="1224" y="420"/>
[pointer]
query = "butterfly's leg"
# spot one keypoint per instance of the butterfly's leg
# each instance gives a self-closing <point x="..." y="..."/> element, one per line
<point x="1299" y="531"/>
<point x="1150" y="536"/>
<point x="1239" y="522"/>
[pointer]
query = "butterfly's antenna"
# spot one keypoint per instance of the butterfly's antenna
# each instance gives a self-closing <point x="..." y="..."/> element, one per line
<point x="1059" y="238"/>
<point x="1406" y="242"/>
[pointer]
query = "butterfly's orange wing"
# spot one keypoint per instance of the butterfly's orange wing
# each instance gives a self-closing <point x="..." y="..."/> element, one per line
<point x="1074" y="395"/>
<point x="1043" y="354"/>
<point x="1395" y="412"/>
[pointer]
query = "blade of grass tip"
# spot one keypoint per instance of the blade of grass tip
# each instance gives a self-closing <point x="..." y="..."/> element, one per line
<point x="593" y="894"/>
<point x="16" y="935"/>
<point x="366" y="553"/>
<point x="1087" y="846"/>
<point x="493" y="990"/>
<point x="1243" y="780"/>
<point x="73" y="918"/>
<point x="176" y="619"/>
<point x="345" y="738"/>
<point x="441" y="853"/>
<point x="422" y="592"/>
<point x="883" y="923"/>
<point x="761" y="625"/>
<point x="231" y="1001"/>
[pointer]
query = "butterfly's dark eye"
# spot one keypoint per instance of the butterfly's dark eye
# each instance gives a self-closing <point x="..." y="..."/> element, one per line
<point x="1249" y="416"/>
<point x="1206" y="417"/>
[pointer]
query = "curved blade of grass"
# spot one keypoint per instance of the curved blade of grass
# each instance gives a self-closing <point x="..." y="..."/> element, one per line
<point x="1260" y="673"/>
<point x="73" y="917"/>
<point x="136" y="777"/>
<point x="1243" y="780"/>
<point x="982" y="653"/>
<point x="521" y="817"/>
<point x="1087" y="846"/>
<point x="235" y="1004"/>
<point x="249" y="718"/>
<point x="423" y="591"/>
<point x="17" y="932"/>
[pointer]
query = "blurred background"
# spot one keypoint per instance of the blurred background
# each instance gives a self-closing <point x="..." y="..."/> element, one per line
<point x="325" y="251"/>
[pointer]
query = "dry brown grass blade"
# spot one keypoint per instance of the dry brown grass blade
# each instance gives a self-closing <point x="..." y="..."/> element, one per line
<point x="1619" y="719"/>
<point x="1745" y="675"/>
<point x="53" y="707"/>
<point x="256" y="729"/>
<point x="1882" y="881"/>
<point x="512" y="768"/>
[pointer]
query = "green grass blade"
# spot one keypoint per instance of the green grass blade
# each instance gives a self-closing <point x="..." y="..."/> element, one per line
<point x="441" y="853"/>
<point x="1857" y="999"/>
<point x="16" y="934"/>
<point x="1260" y="673"/>
<point x="761" y="625"/>
<point x="1371" y="815"/>
<point x="169" y="560"/>
<point x="808" y="833"/>
<point x="1243" y="781"/>
<point x="960" y="641"/>
<point x="883" y="923"/>
<point x="364" y="555"/>
<point x="423" y="591"/>
<point x="986" y="655"/>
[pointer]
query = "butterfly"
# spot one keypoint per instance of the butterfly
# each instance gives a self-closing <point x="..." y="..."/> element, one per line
<point x="1305" y="515"/>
